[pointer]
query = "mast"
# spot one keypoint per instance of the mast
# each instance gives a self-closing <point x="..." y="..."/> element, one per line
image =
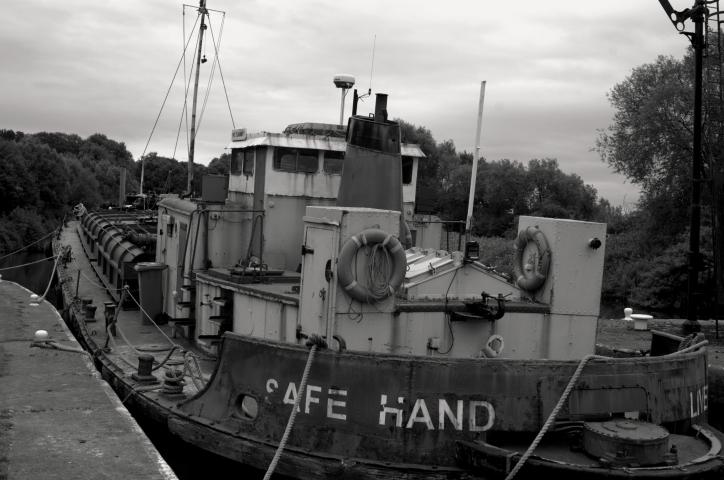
<point x="476" y="157"/>
<point x="202" y="28"/>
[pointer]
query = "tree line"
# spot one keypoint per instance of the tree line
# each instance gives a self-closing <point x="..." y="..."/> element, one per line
<point x="45" y="174"/>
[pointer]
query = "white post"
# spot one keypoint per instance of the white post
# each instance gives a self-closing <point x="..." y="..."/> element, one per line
<point x="476" y="157"/>
<point x="341" y="108"/>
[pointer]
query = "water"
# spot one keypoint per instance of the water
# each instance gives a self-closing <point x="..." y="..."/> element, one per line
<point x="34" y="277"/>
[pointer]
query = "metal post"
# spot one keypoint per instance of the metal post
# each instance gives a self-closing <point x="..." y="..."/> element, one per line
<point x="476" y="157"/>
<point x="341" y="108"/>
<point x="692" y="324"/>
<point x="77" y="283"/>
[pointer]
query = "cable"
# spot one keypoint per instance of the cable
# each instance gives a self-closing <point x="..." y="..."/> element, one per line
<point x="221" y="73"/>
<point x="26" y="264"/>
<point x="168" y="91"/>
<point x="151" y="319"/>
<point x="185" y="109"/>
<point x="30" y="244"/>
<point x="97" y="284"/>
<point x="447" y="315"/>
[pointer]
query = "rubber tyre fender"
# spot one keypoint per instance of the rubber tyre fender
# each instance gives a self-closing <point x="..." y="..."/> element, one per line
<point x="346" y="261"/>
<point x="527" y="281"/>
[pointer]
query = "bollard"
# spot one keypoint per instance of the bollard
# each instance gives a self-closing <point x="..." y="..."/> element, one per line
<point x="145" y="368"/>
<point x="109" y="312"/>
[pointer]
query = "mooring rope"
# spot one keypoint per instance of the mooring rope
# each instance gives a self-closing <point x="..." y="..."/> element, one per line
<point x="572" y="383"/>
<point x="292" y="415"/>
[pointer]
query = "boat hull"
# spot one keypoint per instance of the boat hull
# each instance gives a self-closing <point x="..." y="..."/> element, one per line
<point x="413" y="413"/>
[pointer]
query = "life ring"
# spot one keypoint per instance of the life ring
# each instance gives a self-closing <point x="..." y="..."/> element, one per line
<point x="347" y="260"/>
<point x="531" y="277"/>
<point x="493" y="346"/>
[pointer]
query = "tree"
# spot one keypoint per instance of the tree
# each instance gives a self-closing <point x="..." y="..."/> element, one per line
<point x="219" y="165"/>
<point x="17" y="186"/>
<point x="503" y="191"/>
<point x="50" y="176"/>
<point x="162" y="174"/>
<point x="650" y="139"/>
<point x="428" y="169"/>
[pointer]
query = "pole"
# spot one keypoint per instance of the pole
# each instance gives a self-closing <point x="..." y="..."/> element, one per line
<point x="476" y="157"/>
<point x="122" y="188"/>
<point x="692" y="324"/>
<point x="77" y="283"/>
<point x="143" y="167"/>
<point x="203" y="12"/>
<point x="341" y="108"/>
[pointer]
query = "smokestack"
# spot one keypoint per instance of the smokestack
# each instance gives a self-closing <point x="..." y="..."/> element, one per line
<point x="372" y="174"/>
<point x="381" y="108"/>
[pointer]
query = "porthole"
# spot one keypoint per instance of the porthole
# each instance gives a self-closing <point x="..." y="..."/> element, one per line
<point x="246" y="407"/>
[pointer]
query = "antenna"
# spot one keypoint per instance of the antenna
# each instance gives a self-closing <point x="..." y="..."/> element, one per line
<point x="372" y="64"/>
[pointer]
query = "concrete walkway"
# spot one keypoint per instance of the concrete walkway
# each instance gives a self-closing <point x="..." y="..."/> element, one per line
<point x="58" y="419"/>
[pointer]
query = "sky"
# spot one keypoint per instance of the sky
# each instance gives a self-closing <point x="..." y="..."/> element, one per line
<point x="104" y="66"/>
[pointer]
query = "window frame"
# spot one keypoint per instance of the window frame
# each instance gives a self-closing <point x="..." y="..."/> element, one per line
<point x="299" y="160"/>
<point x="333" y="171"/>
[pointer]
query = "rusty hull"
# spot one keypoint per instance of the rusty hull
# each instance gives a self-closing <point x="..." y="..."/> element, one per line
<point x="412" y="410"/>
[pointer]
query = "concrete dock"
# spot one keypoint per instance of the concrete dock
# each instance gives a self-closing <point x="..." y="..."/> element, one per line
<point x="58" y="419"/>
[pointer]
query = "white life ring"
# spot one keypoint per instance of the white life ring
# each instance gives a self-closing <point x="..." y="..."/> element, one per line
<point x="493" y="346"/>
<point x="347" y="259"/>
<point x="534" y="276"/>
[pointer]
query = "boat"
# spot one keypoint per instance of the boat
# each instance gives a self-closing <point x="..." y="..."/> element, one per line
<point x="296" y="318"/>
<point x="409" y="362"/>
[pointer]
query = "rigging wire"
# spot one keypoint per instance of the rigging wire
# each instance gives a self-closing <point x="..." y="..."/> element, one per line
<point x="221" y="73"/>
<point x="168" y="91"/>
<point x="185" y="109"/>
<point x="216" y="62"/>
<point x="208" y="90"/>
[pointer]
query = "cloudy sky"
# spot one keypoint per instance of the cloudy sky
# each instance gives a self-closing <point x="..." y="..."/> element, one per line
<point x="84" y="66"/>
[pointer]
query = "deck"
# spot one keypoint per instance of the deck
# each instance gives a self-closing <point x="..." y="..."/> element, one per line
<point x="135" y="335"/>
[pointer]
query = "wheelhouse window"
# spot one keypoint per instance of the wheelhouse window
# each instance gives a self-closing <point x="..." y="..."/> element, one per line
<point x="407" y="163"/>
<point x="237" y="159"/>
<point x="297" y="160"/>
<point x="242" y="161"/>
<point x="333" y="162"/>
<point x="248" y="166"/>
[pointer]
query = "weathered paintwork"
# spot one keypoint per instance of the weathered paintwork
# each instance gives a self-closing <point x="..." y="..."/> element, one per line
<point x="413" y="409"/>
